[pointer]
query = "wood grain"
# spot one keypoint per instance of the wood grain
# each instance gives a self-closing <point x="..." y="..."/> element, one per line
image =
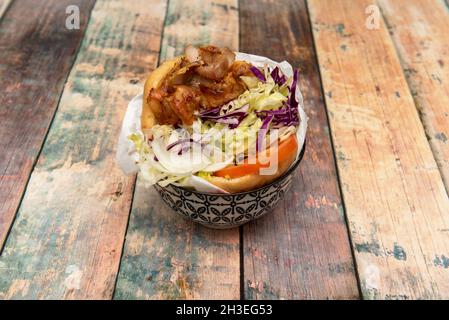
<point x="165" y="256"/>
<point x="395" y="198"/>
<point x="301" y="250"/>
<point x="36" y="54"/>
<point x="419" y="30"/>
<point x="198" y="23"/>
<point x="68" y="236"/>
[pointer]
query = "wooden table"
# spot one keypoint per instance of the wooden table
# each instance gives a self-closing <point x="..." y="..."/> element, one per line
<point x="368" y="214"/>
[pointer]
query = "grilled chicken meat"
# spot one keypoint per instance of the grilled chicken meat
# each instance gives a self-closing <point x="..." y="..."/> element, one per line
<point x="183" y="102"/>
<point x="222" y="92"/>
<point x="208" y="77"/>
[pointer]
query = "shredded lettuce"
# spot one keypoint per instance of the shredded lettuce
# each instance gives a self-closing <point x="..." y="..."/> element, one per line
<point x="250" y="82"/>
<point x="209" y="145"/>
<point x="204" y="175"/>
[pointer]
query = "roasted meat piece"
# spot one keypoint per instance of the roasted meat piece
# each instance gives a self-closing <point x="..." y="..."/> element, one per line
<point x="226" y="90"/>
<point x="207" y="77"/>
<point x="184" y="102"/>
<point x="241" y="68"/>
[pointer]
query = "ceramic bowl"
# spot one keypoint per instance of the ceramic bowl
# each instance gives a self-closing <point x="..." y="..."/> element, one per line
<point x="223" y="211"/>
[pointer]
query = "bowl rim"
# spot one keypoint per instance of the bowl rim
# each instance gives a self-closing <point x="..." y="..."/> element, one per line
<point x="286" y="173"/>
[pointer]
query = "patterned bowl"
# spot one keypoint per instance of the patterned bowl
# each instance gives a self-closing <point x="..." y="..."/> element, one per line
<point x="223" y="211"/>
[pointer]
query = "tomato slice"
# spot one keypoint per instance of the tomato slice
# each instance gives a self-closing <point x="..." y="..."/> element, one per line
<point x="283" y="151"/>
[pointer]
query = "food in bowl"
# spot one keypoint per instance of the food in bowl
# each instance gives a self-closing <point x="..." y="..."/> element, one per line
<point x="208" y="116"/>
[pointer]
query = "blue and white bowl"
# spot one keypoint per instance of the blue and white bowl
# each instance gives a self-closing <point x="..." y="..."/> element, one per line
<point x="223" y="211"/>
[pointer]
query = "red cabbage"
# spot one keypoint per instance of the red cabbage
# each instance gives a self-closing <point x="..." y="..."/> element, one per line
<point x="180" y="141"/>
<point x="224" y="116"/>
<point x="243" y="108"/>
<point x="230" y="121"/>
<point x="185" y="145"/>
<point x="278" y="77"/>
<point x="263" y="131"/>
<point x="288" y="115"/>
<point x="279" y="112"/>
<point x="183" y="149"/>
<point x="233" y="119"/>
<point x="227" y="119"/>
<point x="239" y="120"/>
<point x="292" y="100"/>
<point x="211" y="112"/>
<point x="258" y="73"/>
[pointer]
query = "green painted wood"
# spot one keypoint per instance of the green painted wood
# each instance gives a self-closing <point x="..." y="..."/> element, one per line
<point x="395" y="199"/>
<point x="68" y="235"/>
<point x="36" y="54"/>
<point x="165" y="256"/>
<point x="300" y="250"/>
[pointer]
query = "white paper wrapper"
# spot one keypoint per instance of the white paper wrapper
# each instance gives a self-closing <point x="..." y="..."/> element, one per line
<point x="127" y="156"/>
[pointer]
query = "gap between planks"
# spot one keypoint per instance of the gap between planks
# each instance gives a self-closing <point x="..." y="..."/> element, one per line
<point x="395" y="198"/>
<point x="300" y="250"/>
<point x="71" y="224"/>
<point x="25" y="67"/>
<point x="419" y="32"/>
<point x="166" y="256"/>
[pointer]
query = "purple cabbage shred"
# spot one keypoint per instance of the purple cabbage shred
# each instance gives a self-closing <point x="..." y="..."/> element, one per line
<point x="258" y="73"/>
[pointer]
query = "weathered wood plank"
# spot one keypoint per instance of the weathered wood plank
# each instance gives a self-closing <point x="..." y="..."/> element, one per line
<point x="395" y="199"/>
<point x="199" y="23"/>
<point x="4" y="4"/>
<point x="68" y="236"/>
<point x="419" y="30"/>
<point x="165" y="256"/>
<point x="36" y="54"/>
<point x="301" y="250"/>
